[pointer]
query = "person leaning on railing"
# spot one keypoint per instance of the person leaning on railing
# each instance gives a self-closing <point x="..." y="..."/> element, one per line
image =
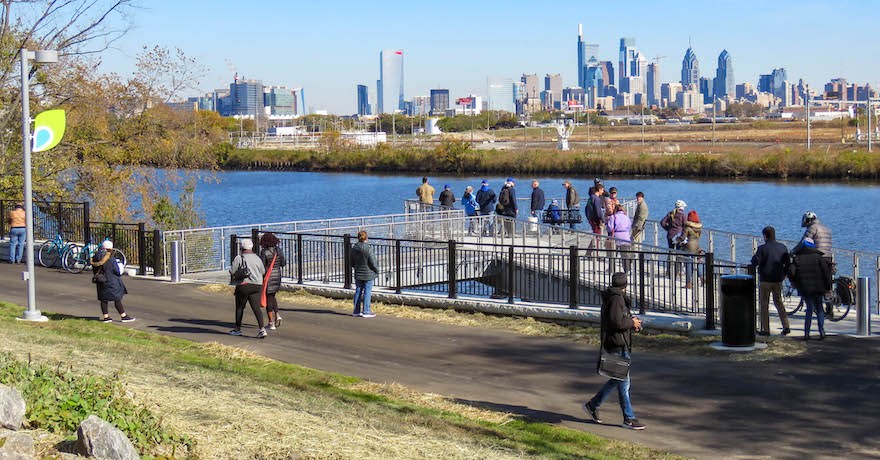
<point x="17" y="234"/>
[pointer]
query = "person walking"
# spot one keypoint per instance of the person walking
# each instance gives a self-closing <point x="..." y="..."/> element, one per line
<point x="486" y="201"/>
<point x="693" y="230"/>
<point x="538" y="201"/>
<point x="247" y="272"/>
<point x="471" y="208"/>
<point x="771" y="260"/>
<point x="619" y="226"/>
<point x="572" y="201"/>
<point x="617" y="325"/>
<point x="273" y="259"/>
<point x="812" y="279"/>
<point x="425" y="192"/>
<point x="365" y="272"/>
<point x="447" y="198"/>
<point x="639" y="218"/>
<point x="17" y="233"/>
<point x="107" y="276"/>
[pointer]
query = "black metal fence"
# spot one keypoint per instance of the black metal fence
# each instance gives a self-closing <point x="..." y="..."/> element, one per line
<point x="573" y="276"/>
<point x="51" y="218"/>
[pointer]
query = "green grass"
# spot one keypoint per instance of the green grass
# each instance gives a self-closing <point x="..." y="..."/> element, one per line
<point x="177" y="378"/>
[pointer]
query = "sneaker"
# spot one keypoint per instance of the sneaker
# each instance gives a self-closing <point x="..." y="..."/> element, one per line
<point x="633" y="424"/>
<point x="263" y="334"/>
<point x="235" y="332"/>
<point x="593" y="411"/>
<point x="277" y="321"/>
<point x="127" y="319"/>
<point x="786" y="331"/>
<point x="368" y="315"/>
<point x="764" y="334"/>
<point x="271" y="326"/>
<point x="106" y="319"/>
<point x="357" y="314"/>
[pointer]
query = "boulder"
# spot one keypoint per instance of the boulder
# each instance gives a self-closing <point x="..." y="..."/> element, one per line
<point x="99" y="439"/>
<point x="13" y="442"/>
<point x="12" y="408"/>
<point x="15" y="456"/>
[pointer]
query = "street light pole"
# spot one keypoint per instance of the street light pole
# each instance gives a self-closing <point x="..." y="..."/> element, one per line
<point x="809" y="133"/>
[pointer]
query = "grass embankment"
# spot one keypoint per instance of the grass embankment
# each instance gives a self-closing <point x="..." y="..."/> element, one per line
<point x="235" y="404"/>
<point x="696" y="160"/>
<point x="670" y="343"/>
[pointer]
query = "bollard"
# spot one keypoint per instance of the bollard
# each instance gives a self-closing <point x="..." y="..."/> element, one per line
<point x="175" y="262"/>
<point x="863" y="313"/>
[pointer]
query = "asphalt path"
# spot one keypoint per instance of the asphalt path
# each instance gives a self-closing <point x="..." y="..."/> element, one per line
<point x="823" y="405"/>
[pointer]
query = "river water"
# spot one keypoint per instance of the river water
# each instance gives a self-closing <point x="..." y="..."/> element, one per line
<point x="851" y="210"/>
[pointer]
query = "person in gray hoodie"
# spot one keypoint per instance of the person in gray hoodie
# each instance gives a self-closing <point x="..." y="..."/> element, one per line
<point x="247" y="272"/>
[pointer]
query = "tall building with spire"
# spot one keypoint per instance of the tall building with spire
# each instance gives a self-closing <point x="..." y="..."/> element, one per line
<point x="586" y="52"/>
<point x="724" y="83"/>
<point x="690" y="69"/>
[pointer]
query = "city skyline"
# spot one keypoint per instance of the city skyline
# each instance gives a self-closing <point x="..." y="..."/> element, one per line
<point x="329" y="53"/>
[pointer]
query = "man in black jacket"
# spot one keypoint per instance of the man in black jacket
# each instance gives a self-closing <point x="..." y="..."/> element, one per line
<point x="486" y="201"/>
<point x="617" y="326"/>
<point x="812" y="279"/>
<point x="538" y="200"/>
<point x="772" y="260"/>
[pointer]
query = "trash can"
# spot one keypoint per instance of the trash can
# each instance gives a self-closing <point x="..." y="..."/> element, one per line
<point x="738" y="310"/>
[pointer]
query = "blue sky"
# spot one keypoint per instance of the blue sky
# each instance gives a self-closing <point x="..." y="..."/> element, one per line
<point x="329" y="47"/>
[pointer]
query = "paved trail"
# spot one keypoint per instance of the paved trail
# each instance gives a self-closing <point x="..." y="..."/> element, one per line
<point x="826" y="404"/>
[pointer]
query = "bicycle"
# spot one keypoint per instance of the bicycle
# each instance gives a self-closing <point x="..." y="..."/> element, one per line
<point x="835" y="309"/>
<point x="53" y="250"/>
<point x="79" y="258"/>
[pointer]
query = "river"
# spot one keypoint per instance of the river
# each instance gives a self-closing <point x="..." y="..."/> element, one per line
<point x="851" y="210"/>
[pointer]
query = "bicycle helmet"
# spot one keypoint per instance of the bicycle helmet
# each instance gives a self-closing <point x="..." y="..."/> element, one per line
<point x="809" y="218"/>
<point x="680" y="204"/>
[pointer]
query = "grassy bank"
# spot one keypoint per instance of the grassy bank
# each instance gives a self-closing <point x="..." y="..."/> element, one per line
<point x="235" y="404"/>
<point x="695" y="160"/>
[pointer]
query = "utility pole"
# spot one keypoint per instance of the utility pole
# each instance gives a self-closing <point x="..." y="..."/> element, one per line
<point x="870" y="134"/>
<point x="809" y="133"/>
<point x="714" y="116"/>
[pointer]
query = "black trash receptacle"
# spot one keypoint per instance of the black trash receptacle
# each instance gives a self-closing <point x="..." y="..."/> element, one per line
<point x="738" y="310"/>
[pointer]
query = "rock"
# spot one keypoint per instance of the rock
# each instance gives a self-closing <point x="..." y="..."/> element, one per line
<point x="11" y="408"/>
<point x="99" y="439"/>
<point x="13" y="442"/>
<point x="15" y="456"/>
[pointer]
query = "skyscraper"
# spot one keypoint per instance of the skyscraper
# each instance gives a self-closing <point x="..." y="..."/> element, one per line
<point x="707" y="89"/>
<point x="363" y="100"/>
<point x="500" y="91"/>
<point x="765" y="83"/>
<point x="439" y="101"/>
<point x="627" y="56"/>
<point x="531" y="93"/>
<point x="581" y="52"/>
<point x="553" y="84"/>
<point x="607" y="68"/>
<point x="390" y="86"/>
<point x="724" y="82"/>
<point x="245" y="98"/>
<point x="779" y="77"/>
<point x="278" y="101"/>
<point x="653" y="83"/>
<point x="690" y="69"/>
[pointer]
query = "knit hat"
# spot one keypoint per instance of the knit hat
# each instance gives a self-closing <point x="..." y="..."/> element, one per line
<point x="447" y="186"/>
<point x="693" y="217"/>
<point x="510" y="179"/>
<point x="680" y="204"/>
<point x="808" y="242"/>
<point x="618" y="280"/>
<point x="555" y="202"/>
<point x="107" y="244"/>
<point x="485" y="182"/>
<point x="247" y="244"/>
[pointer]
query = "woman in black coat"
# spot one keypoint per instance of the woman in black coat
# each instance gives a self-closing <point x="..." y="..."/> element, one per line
<point x="108" y="281"/>
<point x="272" y="282"/>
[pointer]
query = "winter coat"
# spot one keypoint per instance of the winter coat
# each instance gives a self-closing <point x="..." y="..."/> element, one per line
<point x="538" y="200"/>
<point x="254" y="265"/>
<point x="485" y="198"/>
<point x="812" y="272"/>
<point x="363" y="262"/>
<point x="274" y="283"/>
<point x="771" y="260"/>
<point x="596" y="209"/>
<point x="673" y="223"/>
<point x="640" y="216"/>
<point x="555" y="215"/>
<point x="616" y="320"/>
<point x="447" y="198"/>
<point x="113" y="289"/>
<point x="425" y="193"/>
<point x="16" y="218"/>
<point x="508" y="195"/>
<point x="470" y="204"/>
<point x="619" y="226"/>
<point x="692" y="231"/>
<point x="572" y="200"/>
<point x="821" y="236"/>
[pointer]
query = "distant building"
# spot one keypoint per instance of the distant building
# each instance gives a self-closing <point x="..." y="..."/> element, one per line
<point x="531" y="92"/>
<point x="471" y="105"/>
<point x="184" y="106"/>
<point x="586" y="52"/>
<point x="652" y="82"/>
<point x="553" y="83"/>
<point x="779" y="77"/>
<point x="419" y="105"/>
<point x="607" y="68"/>
<point x="707" y="89"/>
<point x="245" y="99"/>
<point x="690" y="69"/>
<point x="690" y="100"/>
<point x="363" y="100"/>
<point x="550" y="100"/>
<point x="500" y="92"/>
<point x="836" y="89"/>
<point x="439" y="101"/>
<point x="278" y="101"/>
<point x="575" y="94"/>
<point x="669" y="94"/>
<point x="519" y="97"/>
<point x="765" y="83"/>
<point x="628" y="57"/>
<point x="390" y="86"/>
<point x="206" y="102"/>
<point x="724" y="82"/>
<point x="744" y="90"/>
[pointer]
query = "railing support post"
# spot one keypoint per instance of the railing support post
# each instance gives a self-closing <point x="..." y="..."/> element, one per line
<point x="710" y="291"/>
<point x="510" y="274"/>
<point x="176" y="266"/>
<point x="451" y="271"/>
<point x="346" y="251"/>
<point x="158" y="266"/>
<point x="573" y="276"/>
<point x="255" y="238"/>
<point x="142" y="248"/>
<point x="299" y="258"/>
<point x="86" y="219"/>
<point x="233" y="247"/>
<point x="398" y="272"/>
<point x="641" y="283"/>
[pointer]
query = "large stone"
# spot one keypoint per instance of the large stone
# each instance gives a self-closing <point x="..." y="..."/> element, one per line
<point x="15" y="456"/>
<point x="99" y="439"/>
<point x="12" y="408"/>
<point x="13" y="442"/>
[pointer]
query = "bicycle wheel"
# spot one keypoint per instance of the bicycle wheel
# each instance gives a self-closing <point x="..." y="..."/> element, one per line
<point x="48" y="255"/>
<point x="837" y="311"/>
<point x="78" y="260"/>
<point x="120" y="256"/>
<point x="70" y="253"/>
<point x="790" y="299"/>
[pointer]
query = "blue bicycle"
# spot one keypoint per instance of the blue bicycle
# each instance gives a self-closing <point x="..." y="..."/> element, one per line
<point x="78" y="258"/>
<point x="53" y="250"/>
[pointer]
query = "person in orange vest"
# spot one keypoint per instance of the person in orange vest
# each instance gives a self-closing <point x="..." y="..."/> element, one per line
<point x="17" y="233"/>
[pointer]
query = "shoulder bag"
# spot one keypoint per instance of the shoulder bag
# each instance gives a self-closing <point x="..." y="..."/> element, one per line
<point x="99" y="277"/>
<point x="240" y="274"/>
<point x="263" y="292"/>
<point x="612" y="365"/>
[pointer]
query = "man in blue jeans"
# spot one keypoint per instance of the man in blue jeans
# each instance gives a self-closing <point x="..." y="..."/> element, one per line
<point x="366" y="270"/>
<point x="17" y="234"/>
<point x="618" y="324"/>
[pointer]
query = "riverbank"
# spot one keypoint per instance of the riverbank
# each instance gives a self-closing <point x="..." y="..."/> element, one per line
<point x="776" y="161"/>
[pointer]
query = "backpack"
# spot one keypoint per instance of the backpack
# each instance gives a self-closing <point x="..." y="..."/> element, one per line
<point x="504" y="197"/>
<point x="846" y="290"/>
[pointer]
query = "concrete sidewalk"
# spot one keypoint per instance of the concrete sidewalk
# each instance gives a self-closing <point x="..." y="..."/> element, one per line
<point x="823" y="404"/>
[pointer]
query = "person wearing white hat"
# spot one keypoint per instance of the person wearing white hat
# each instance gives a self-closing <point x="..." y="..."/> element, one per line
<point x="247" y="272"/>
<point x="107" y="276"/>
<point x="674" y="223"/>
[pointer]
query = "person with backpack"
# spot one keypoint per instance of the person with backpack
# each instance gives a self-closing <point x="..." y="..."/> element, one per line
<point x="273" y="259"/>
<point x="247" y="272"/>
<point x="17" y="233"/>
<point x="674" y="223"/>
<point x="617" y="326"/>
<point x="486" y="200"/>
<point x="572" y="201"/>
<point x="812" y="279"/>
<point x="771" y="260"/>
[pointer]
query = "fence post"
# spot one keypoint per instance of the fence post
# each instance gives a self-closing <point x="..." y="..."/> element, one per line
<point x="59" y="219"/>
<point x="142" y="248"/>
<point x="733" y="248"/>
<point x="86" y="219"/>
<point x="398" y="259"/>
<point x="346" y="251"/>
<point x="113" y="234"/>
<point x="233" y="247"/>
<point x="175" y="262"/>
<point x="255" y="238"/>
<point x="451" y="266"/>
<point x="641" y="283"/>
<point x="573" y="276"/>
<point x="299" y="258"/>
<point x="3" y="217"/>
<point x="710" y="291"/>
<point x="863" y="310"/>
<point x="510" y="274"/>
<point x="158" y="266"/>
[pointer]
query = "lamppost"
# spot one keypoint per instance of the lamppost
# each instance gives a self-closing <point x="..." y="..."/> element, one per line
<point x="40" y="57"/>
